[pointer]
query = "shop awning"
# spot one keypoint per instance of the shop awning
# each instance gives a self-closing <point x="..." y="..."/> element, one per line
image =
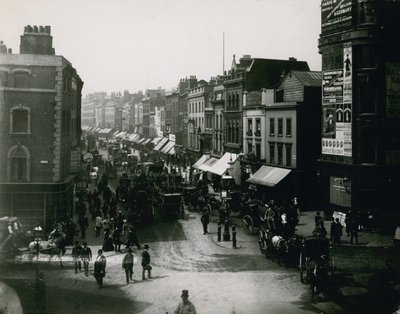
<point x="201" y="161"/>
<point x="132" y="136"/>
<point x="121" y="135"/>
<point x="156" y="140"/>
<point x="146" y="141"/>
<point x="268" y="176"/>
<point x="223" y="164"/>
<point x="207" y="165"/>
<point x="167" y="147"/>
<point x="141" y="140"/>
<point x="161" y="143"/>
<point x="171" y="151"/>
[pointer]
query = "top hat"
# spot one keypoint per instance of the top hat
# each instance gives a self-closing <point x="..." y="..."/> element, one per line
<point x="146" y="246"/>
<point x="185" y="293"/>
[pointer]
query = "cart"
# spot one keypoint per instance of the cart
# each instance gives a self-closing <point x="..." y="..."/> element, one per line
<point x="190" y="196"/>
<point x="315" y="256"/>
<point x="171" y="206"/>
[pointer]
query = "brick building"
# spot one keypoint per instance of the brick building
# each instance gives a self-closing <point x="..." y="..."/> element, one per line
<point x="40" y="130"/>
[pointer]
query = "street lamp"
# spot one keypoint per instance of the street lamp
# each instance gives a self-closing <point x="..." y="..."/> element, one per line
<point x="37" y="237"/>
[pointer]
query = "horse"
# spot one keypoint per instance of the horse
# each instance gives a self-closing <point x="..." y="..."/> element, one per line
<point x="279" y="248"/>
<point x="318" y="275"/>
<point x="52" y="247"/>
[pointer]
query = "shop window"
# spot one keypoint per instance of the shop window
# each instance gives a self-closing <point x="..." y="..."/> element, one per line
<point x="272" y="153"/>
<point x="288" y="155"/>
<point x="20" y="120"/>
<point x="18" y="166"/>
<point x="280" y="154"/>
<point x="367" y="147"/>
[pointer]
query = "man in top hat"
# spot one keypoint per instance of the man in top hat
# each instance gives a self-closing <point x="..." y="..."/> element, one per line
<point x="100" y="268"/>
<point x="185" y="306"/>
<point x="146" y="262"/>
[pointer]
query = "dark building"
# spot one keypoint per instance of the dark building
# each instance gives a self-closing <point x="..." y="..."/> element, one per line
<point x="359" y="166"/>
<point x="250" y="74"/>
<point x="40" y="130"/>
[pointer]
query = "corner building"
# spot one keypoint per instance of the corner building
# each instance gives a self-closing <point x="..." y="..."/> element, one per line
<point x="40" y="130"/>
<point x="359" y="165"/>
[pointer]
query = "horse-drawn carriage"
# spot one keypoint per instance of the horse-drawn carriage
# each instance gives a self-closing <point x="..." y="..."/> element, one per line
<point x="315" y="262"/>
<point x="171" y="207"/>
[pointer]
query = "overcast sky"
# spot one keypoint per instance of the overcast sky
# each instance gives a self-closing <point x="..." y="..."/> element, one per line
<point x="139" y="44"/>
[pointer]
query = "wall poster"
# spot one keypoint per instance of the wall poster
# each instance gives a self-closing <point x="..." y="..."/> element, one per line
<point x="337" y="107"/>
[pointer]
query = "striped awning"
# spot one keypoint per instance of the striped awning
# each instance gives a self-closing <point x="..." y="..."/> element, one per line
<point x="268" y="176"/>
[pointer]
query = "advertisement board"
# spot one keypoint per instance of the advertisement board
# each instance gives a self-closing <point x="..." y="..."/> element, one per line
<point x="337" y="107"/>
<point x="339" y="194"/>
<point x="335" y="15"/>
<point x="392" y="89"/>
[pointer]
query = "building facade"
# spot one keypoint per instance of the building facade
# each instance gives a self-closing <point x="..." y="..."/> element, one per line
<point x="40" y="131"/>
<point x="359" y="165"/>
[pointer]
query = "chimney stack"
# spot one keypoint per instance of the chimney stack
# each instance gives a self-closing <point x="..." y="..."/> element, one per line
<point x="37" y="40"/>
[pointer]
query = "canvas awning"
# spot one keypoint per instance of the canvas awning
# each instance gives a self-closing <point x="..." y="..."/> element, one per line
<point x="167" y="147"/>
<point x="146" y="141"/>
<point x="268" y="176"/>
<point x="207" y="165"/>
<point x="224" y="163"/>
<point x="171" y="151"/>
<point x="201" y="161"/>
<point x="161" y="143"/>
<point x="156" y="140"/>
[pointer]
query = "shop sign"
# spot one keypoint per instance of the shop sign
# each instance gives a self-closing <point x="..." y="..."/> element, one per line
<point x="336" y="15"/>
<point x="339" y="194"/>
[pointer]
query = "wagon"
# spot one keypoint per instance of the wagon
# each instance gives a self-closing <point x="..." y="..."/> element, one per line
<point x="190" y="196"/>
<point x="315" y="255"/>
<point x="171" y="206"/>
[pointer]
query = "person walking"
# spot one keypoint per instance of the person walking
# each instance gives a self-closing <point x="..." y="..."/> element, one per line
<point x="132" y="237"/>
<point x="205" y="218"/>
<point x="86" y="256"/>
<point x="353" y="230"/>
<point x="83" y="224"/>
<point x="98" y="223"/>
<point x="116" y="236"/>
<point x="76" y="256"/>
<point x="185" y="306"/>
<point x="100" y="268"/>
<point x="337" y="231"/>
<point x="127" y="265"/>
<point x="146" y="262"/>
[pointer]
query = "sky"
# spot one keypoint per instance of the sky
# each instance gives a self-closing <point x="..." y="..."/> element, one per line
<point x="118" y="45"/>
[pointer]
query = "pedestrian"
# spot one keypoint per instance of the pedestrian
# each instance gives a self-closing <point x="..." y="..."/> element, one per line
<point x="83" y="224"/>
<point x="205" y="219"/>
<point x="146" y="262"/>
<point x="86" y="256"/>
<point x="132" y="238"/>
<point x="116" y="236"/>
<point x="347" y="221"/>
<point x="185" y="306"/>
<point x="125" y="232"/>
<point x="318" y="219"/>
<point x="353" y="230"/>
<point x="76" y="256"/>
<point x="100" y="268"/>
<point x="127" y="265"/>
<point x="98" y="223"/>
<point x="336" y="231"/>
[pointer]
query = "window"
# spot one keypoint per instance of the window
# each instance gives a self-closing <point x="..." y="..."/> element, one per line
<point x="20" y="120"/>
<point x="18" y="164"/>
<point x="258" y="127"/>
<point x="280" y="154"/>
<point x="367" y="93"/>
<point x="249" y="148"/>
<point x="279" y="95"/>
<point x="249" y="126"/>
<point x="280" y="127"/>
<point x="272" y="153"/>
<point x="288" y="155"/>
<point x="258" y="150"/>
<point x="288" y="127"/>
<point x="272" y="126"/>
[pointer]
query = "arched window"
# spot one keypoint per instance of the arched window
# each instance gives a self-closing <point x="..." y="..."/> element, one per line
<point x="20" y="120"/>
<point x="236" y="100"/>
<point x="229" y="101"/>
<point x="18" y="165"/>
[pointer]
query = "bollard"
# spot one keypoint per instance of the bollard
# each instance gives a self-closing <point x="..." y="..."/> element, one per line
<point x="234" y="236"/>
<point x="219" y="231"/>
<point x="227" y="236"/>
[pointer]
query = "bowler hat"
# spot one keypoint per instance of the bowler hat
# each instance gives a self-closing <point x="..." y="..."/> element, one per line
<point x="185" y="293"/>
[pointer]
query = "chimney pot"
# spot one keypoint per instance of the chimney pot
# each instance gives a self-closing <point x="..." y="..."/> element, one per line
<point x="1" y="42"/>
<point x="47" y="29"/>
<point x="35" y="29"/>
<point x="30" y="30"/>
<point x="9" y="50"/>
<point x="41" y="29"/>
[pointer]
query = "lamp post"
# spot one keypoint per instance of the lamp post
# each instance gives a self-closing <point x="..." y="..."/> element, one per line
<point x="37" y="237"/>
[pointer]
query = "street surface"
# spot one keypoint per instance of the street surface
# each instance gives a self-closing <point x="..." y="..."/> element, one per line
<point x="220" y="279"/>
